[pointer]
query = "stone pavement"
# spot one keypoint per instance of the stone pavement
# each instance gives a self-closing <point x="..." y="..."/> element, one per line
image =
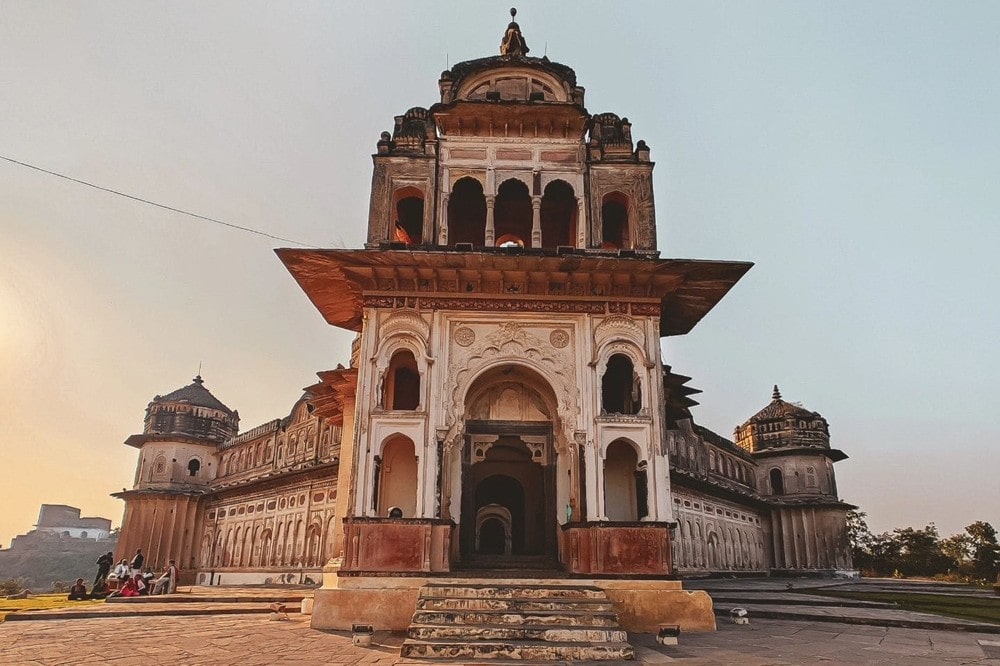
<point x="255" y="640"/>
<point x="771" y="599"/>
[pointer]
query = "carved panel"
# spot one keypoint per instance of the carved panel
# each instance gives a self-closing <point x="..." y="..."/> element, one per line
<point x="512" y="343"/>
<point x="406" y="320"/>
<point x="618" y="327"/>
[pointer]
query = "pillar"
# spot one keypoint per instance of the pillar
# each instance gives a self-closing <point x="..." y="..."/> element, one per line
<point x="536" y="221"/>
<point x="490" y="240"/>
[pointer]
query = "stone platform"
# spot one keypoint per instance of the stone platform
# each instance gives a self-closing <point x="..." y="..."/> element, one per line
<point x="387" y="602"/>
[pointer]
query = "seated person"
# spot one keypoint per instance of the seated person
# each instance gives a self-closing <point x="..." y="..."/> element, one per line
<point x="147" y="578"/>
<point x="122" y="571"/>
<point x="100" y="590"/>
<point x="133" y="586"/>
<point x="167" y="583"/>
<point x="79" y="591"/>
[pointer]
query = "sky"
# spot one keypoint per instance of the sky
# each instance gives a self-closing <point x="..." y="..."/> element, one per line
<point x="851" y="150"/>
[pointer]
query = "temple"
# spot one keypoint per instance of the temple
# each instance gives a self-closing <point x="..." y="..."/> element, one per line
<point x="506" y="412"/>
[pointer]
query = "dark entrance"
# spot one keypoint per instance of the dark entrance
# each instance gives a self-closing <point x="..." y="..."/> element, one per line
<point x="508" y="496"/>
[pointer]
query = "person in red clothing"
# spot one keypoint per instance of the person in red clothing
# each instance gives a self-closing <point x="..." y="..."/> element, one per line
<point x="134" y="586"/>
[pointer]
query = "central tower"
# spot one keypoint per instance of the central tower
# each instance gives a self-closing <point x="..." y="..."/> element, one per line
<point x="507" y="389"/>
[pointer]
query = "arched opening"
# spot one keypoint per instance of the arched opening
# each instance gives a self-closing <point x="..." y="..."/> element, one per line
<point x="510" y="240"/>
<point x="624" y="483"/>
<point x="614" y="222"/>
<point x="500" y="504"/>
<point x="559" y="212"/>
<point x="621" y="391"/>
<point x="193" y="466"/>
<point x="397" y="486"/>
<point x="512" y="212"/>
<point x="508" y="464"/>
<point x="467" y="213"/>
<point x="777" y="482"/>
<point x="492" y="538"/>
<point x="402" y="382"/>
<point x="494" y="530"/>
<point x="408" y="227"/>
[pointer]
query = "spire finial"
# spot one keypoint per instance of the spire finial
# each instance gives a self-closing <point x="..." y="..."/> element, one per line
<point x="776" y="395"/>
<point x="513" y="43"/>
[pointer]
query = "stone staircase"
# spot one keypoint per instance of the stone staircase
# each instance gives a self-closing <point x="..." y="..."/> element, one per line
<point x="544" y="621"/>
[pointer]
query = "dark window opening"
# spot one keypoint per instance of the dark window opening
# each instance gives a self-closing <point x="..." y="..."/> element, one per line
<point x="559" y="212"/>
<point x="193" y="466"/>
<point x="402" y="390"/>
<point x="467" y="213"/>
<point x="777" y="482"/>
<point x="641" y="494"/>
<point x="614" y="222"/>
<point x="512" y="212"/>
<point x="409" y="223"/>
<point x="620" y="389"/>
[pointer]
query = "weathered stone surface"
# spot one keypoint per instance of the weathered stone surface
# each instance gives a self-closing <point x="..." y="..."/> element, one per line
<point x="390" y="608"/>
<point x="515" y="622"/>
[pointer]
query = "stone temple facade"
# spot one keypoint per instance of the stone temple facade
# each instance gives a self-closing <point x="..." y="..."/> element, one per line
<point x="506" y="406"/>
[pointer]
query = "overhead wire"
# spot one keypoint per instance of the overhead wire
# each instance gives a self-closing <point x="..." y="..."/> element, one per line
<point x="158" y="205"/>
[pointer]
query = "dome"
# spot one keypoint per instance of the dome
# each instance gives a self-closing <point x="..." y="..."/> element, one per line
<point x="191" y="411"/>
<point x="194" y="394"/>
<point x="511" y="76"/>
<point x="781" y="425"/>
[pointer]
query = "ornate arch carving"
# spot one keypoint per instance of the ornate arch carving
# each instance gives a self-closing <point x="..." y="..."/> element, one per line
<point x="511" y="344"/>
<point x="619" y="327"/>
<point x="405" y="320"/>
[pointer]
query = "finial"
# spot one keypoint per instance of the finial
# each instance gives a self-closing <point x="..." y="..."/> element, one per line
<point x="513" y="43"/>
<point x="776" y="395"/>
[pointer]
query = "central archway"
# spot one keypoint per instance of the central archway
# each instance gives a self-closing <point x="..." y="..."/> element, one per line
<point x="508" y="479"/>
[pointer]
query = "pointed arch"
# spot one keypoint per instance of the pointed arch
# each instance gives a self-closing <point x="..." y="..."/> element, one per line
<point x="559" y="214"/>
<point x="467" y="213"/>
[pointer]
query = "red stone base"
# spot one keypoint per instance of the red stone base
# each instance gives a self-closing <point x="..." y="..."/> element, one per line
<point x="396" y="545"/>
<point x="641" y="548"/>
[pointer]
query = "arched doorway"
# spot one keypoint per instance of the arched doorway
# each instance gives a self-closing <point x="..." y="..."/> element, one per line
<point x="508" y="473"/>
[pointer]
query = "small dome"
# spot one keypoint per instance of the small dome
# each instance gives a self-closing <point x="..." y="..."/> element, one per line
<point x="191" y="411"/>
<point x="194" y="394"/>
<point x="783" y="424"/>
<point x="779" y="409"/>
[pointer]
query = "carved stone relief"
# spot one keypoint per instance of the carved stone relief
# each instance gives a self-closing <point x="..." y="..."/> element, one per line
<point x="511" y="343"/>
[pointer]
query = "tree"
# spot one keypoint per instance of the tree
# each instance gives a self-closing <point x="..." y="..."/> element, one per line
<point x="985" y="550"/>
<point x="958" y="549"/>
<point x="920" y="551"/>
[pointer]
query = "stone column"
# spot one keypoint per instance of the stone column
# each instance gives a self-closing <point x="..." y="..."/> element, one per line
<point x="443" y="228"/>
<point x="581" y="222"/>
<point x="490" y="230"/>
<point x="536" y="221"/>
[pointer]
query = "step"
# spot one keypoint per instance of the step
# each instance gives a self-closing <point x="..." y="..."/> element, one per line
<point x="549" y="618"/>
<point x="520" y="650"/>
<point x="514" y="591"/>
<point x="510" y="605"/>
<point x="489" y="632"/>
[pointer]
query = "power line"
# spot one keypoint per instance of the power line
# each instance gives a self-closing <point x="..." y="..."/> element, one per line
<point x="158" y="205"/>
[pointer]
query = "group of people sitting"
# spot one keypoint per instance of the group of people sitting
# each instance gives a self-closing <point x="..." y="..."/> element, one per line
<point x="128" y="579"/>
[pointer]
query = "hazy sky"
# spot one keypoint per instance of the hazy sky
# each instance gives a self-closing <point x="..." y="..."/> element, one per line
<point x="850" y="149"/>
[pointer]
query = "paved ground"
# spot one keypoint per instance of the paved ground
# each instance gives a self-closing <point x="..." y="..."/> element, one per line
<point x="254" y="640"/>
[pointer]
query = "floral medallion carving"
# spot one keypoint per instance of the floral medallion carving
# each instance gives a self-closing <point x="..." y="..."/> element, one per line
<point x="559" y="338"/>
<point x="465" y="336"/>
